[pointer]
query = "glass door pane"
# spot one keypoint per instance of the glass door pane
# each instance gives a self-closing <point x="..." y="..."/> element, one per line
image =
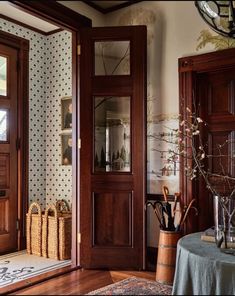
<point x="112" y="58"/>
<point x="112" y="134"/>
<point x="3" y="76"/>
<point x="3" y="125"/>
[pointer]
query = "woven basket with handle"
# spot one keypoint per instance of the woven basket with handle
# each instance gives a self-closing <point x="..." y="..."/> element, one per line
<point x="34" y="230"/>
<point x="57" y="231"/>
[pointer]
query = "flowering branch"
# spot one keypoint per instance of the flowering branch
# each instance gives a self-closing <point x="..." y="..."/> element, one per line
<point x="188" y="144"/>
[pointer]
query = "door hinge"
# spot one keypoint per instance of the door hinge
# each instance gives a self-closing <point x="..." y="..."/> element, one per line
<point x="17" y="224"/>
<point x="79" y="49"/>
<point x="18" y="144"/>
<point x="79" y="144"/>
<point x="78" y="237"/>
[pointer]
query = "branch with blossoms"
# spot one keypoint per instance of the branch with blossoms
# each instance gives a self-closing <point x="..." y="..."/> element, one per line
<point x="188" y="145"/>
<point x="221" y="183"/>
<point x="200" y="160"/>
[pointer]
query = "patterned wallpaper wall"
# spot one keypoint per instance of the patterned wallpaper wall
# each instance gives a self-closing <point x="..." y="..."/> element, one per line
<point x="58" y="85"/>
<point x="49" y="80"/>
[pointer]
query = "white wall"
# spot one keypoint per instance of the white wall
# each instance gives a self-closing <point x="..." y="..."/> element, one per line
<point x="173" y="29"/>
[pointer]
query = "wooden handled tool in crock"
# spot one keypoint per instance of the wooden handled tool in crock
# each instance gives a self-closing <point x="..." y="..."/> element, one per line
<point x="170" y="224"/>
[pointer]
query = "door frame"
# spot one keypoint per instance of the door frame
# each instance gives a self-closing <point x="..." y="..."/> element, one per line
<point x="189" y="68"/>
<point x="60" y="15"/>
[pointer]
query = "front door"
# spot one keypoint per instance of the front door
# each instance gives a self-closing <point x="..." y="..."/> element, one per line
<point x="8" y="149"/>
<point x="113" y="152"/>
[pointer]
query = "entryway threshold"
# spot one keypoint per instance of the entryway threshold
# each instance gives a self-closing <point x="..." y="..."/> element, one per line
<point x="15" y="276"/>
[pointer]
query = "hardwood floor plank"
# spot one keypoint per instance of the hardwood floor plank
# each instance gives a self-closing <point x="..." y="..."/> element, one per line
<point x="81" y="282"/>
<point x="75" y="283"/>
<point x="121" y="275"/>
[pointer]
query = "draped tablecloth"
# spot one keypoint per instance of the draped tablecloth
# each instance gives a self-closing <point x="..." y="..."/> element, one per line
<point x="202" y="269"/>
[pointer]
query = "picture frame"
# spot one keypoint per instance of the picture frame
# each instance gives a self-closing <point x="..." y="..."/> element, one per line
<point x="66" y="148"/>
<point x="66" y="113"/>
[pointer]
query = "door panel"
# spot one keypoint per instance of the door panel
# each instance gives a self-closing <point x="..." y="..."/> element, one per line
<point x="8" y="152"/>
<point x="113" y="152"/>
<point x="110" y="219"/>
<point x="4" y="171"/>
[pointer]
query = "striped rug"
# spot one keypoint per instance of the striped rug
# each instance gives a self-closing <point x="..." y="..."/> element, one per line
<point x="19" y="266"/>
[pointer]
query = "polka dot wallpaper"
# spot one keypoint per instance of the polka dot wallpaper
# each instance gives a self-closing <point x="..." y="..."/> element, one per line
<point x="58" y="85"/>
<point x="50" y="62"/>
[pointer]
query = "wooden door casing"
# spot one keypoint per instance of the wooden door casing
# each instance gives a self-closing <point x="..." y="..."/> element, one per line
<point x="208" y="80"/>
<point x="8" y="157"/>
<point x="112" y="203"/>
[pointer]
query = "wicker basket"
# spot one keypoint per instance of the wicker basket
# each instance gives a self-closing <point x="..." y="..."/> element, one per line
<point x="34" y="230"/>
<point x="56" y="232"/>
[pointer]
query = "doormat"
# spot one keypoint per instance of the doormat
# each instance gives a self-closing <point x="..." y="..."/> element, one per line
<point x="134" y="286"/>
<point x="19" y="266"/>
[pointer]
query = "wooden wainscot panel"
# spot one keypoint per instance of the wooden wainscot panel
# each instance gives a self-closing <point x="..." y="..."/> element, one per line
<point x="220" y="93"/>
<point x="4" y="213"/>
<point x="4" y="171"/>
<point x="112" y="225"/>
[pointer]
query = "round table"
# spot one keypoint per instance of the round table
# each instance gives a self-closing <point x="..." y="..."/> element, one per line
<point x="202" y="269"/>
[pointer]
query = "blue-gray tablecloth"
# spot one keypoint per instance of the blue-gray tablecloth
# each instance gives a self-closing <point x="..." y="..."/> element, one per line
<point x="202" y="269"/>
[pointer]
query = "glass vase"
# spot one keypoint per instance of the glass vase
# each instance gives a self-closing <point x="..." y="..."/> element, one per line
<point x="224" y="220"/>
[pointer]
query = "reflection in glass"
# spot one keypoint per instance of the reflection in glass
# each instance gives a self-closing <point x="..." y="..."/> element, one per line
<point x="3" y="125"/>
<point x="112" y="134"/>
<point x="3" y="76"/>
<point x="112" y="58"/>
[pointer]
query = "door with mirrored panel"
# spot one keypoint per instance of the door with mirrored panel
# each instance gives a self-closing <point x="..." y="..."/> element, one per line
<point x="8" y="149"/>
<point x="113" y="160"/>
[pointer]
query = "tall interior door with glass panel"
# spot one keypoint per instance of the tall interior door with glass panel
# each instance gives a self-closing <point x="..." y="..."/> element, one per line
<point x="113" y="155"/>
<point x="8" y="149"/>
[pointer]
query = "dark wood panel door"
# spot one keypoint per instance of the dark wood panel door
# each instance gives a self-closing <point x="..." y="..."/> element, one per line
<point x="113" y="150"/>
<point x="8" y="149"/>
<point x="216" y="97"/>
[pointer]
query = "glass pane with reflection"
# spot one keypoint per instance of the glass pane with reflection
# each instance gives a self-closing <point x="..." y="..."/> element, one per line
<point x="112" y="134"/>
<point x="112" y="58"/>
<point x="3" y="125"/>
<point x="3" y="76"/>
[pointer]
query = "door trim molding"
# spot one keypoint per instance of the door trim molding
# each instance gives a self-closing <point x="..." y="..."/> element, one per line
<point x="54" y="12"/>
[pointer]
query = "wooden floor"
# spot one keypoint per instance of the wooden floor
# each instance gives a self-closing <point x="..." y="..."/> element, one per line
<point x="81" y="281"/>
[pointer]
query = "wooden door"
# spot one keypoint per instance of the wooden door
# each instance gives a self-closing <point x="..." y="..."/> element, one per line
<point x="113" y="152"/>
<point x="208" y="81"/>
<point x="216" y="96"/>
<point x="8" y="149"/>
